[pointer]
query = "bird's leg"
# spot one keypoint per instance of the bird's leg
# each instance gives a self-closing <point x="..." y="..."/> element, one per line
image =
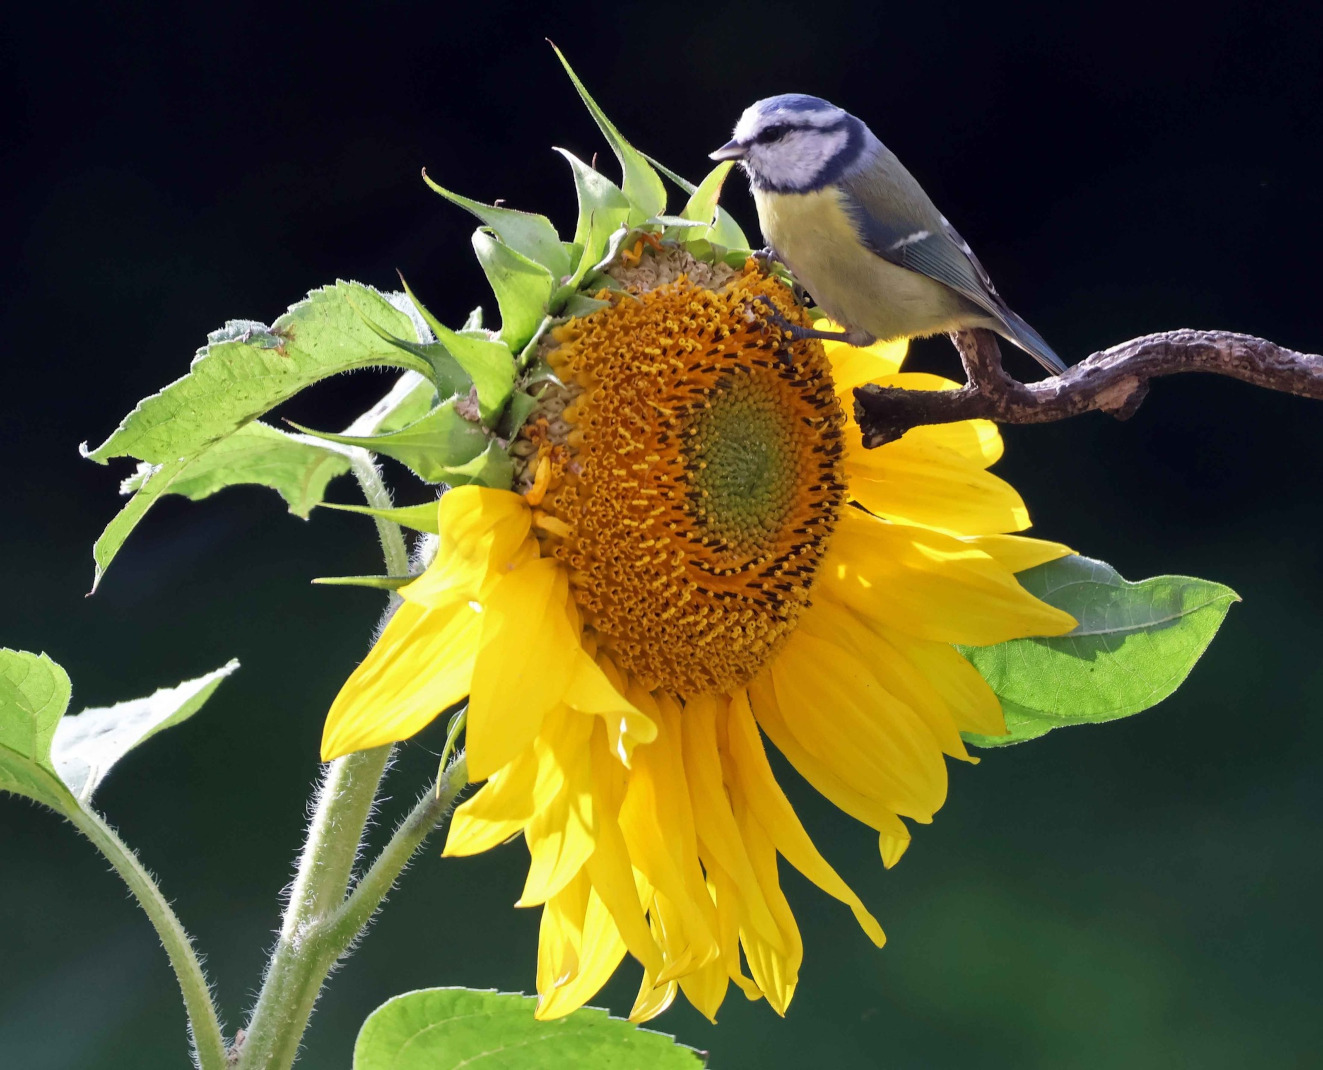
<point x="772" y="316"/>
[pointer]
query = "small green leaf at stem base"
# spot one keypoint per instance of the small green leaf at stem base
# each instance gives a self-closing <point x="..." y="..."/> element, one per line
<point x="414" y="517"/>
<point x="1135" y="644"/>
<point x="449" y="1028"/>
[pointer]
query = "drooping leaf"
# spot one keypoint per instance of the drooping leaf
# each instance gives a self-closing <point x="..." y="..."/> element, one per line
<point x="60" y="762"/>
<point x="641" y="184"/>
<point x="603" y="209"/>
<point x="415" y="517"/>
<point x="246" y="369"/>
<point x="725" y="232"/>
<point x="522" y="287"/>
<point x="297" y="468"/>
<point x="1135" y="644"/>
<point x="526" y="233"/>
<point x="430" y="447"/>
<point x="449" y="1028"/>
<point x="34" y="693"/>
<point x="87" y="744"/>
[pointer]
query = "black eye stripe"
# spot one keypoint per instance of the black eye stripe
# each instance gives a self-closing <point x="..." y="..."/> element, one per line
<point x="773" y="133"/>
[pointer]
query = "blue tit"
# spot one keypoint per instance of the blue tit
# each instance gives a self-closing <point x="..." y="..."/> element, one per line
<point x="855" y="228"/>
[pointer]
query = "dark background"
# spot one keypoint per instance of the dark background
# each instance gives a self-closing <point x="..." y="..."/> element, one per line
<point x="1143" y="894"/>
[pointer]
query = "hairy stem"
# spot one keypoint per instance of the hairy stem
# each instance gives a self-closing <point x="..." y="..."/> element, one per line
<point x="303" y="957"/>
<point x="203" y="1024"/>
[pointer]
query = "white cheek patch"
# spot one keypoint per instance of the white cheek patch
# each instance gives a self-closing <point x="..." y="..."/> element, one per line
<point x="797" y="159"/>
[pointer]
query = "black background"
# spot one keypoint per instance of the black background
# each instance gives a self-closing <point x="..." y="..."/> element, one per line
<point x="1142" y="894"/>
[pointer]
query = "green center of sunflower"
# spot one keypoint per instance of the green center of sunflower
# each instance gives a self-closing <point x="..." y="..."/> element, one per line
<point x="744" y="465"/>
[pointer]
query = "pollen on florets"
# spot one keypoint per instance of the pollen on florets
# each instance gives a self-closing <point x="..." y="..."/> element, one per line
<point x="687" y="468"/>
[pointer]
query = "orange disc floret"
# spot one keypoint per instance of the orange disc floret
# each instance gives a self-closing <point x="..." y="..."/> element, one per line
<point x="704" y="478"/>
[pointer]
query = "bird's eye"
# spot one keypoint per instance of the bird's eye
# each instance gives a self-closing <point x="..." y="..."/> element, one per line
<point x="772" y="133"/>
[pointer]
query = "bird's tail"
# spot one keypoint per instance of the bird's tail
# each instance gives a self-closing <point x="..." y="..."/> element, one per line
<point x="1028" y="339"/>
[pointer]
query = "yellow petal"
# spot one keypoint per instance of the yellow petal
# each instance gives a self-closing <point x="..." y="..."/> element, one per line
<point x="769" y="804"/>
<point x="525" y="654"/>
<point x="658" y="824"/>
<point x="562" y="833"/>
<point x="973" y="704"/>
<point x="892" y="848"/>
<point x="838" y="712"/>
<point x="1018" y="552"/>
<point x="862" y="805"/>
<point x="591" y="691"/>
<point x="481" y="529"/>
<point x="652" y="999"/>
<point x="724" y="894"/>
<point x="718" y="835"/>
<point x="599" y="951"/>
<point x="930" y="584"/>
<point x="896" y="673"/>
<point x="501" y="808"/>
<point x="931" y="485"/>
<point x="775" y="971"/>
<point x="609" y="868"/>
<point x="421" y="664"/>
<point x="853" y="366"/>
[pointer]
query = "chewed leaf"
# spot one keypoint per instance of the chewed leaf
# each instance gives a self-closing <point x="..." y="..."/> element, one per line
<point x="642" y="185"/>
<point x="449" y="1028"/>
<point x="89" y="743"/>
<point x="431" y="446"/>
<point x="522" y="287"/>
<point x="529" y="234"/>
<point x="246" y="369"/>
<point x="1135" y="644"/>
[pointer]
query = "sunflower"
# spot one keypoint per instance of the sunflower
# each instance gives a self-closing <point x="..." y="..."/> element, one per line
<point x="696" y="558"/>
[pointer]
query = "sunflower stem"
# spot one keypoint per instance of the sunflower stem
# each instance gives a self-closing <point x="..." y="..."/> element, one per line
<point x="203" y="1023"/>
<point x="310" y="943"/>
<point x="343" y="928"/>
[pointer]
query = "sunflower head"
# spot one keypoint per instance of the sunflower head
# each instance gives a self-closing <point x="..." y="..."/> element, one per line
<point x="683" y="554"/>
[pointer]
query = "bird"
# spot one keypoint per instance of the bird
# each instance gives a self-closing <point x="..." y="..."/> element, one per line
<point x="858" y="232"/>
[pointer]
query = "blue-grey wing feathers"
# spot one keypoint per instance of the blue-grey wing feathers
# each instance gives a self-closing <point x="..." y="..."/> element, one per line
<point x="896" y="220"/>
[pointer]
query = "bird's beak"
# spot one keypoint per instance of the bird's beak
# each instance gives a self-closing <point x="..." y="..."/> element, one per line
<point x="731" y="150"/>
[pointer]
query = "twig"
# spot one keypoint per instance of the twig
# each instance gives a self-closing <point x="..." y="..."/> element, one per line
<point x="1114" y="381"/>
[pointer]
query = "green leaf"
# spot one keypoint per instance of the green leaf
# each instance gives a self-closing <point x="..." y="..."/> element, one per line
<point x="247" y="369"/>
<point x="415" y="517"/>
<point x="61" y="762"/>
<point x="489" y="364"/>
<point x="603" y="209"/>
<point x="725" y="231"/>
<point x="523" y="288"/>
<point x="1135" y="644"/>
<point x="642" y="185"/>
<point x="412" y="398"/>
<point x="448" y="1028"/>
<point x="431" y="447"/>
<point x="520" y="408"/>
<point x="86" y="745"/>
<point x="383" y="583"/>
<point x="526" y="233"/>
<point x="34" y="693"/>
<point x="296" y="468"/>
<point x="702" y="205"/>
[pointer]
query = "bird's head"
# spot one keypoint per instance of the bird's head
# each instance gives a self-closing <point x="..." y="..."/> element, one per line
<point x="794" y="143"/>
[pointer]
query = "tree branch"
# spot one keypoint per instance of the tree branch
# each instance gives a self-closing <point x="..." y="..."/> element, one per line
<point x="1114" y="381"/>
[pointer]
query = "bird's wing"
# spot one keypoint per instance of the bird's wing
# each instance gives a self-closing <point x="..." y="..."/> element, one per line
<point x="914" y="234"/>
